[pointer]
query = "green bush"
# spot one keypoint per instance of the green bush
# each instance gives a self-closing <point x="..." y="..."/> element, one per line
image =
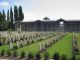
<point x="46" y="56"/>
<point x="32" y="41"/>
<point x="63" y="57"/>
<point x="14" y="53"/>
<point x="30" y="56"/>
<point x="56" y="56"/>
<point x="21" y="45"/>
<point x="9" y="53"/>
<point x="38" y="56"/>
<point x="15" y="47"/>
<point x="28" y="42"/>
<point x="22" y="54"/>
<point x="2" y="52"/>
<point x="73" y="57"/>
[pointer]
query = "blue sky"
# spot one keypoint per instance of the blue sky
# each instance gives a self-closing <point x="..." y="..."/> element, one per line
<point x="37" y="9"/>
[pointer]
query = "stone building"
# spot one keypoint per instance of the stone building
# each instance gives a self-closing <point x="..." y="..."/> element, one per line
<point x="49" y="25"/>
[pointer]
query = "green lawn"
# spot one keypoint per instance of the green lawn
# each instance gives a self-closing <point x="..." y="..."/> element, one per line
<point x="6" y="47"/>
<point x="64" y="46"/>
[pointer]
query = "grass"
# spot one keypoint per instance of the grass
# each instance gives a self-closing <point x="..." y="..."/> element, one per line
<point x="6" y="47"/>
<point x="64" y="46"/>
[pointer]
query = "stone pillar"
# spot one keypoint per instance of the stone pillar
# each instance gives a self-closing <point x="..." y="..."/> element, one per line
<point x="34" y="27"/>
<point x="75" y="27"/>
<point x="41" y="27"/>
<point x="79" y="27"/>
<point x="70" y="28"/>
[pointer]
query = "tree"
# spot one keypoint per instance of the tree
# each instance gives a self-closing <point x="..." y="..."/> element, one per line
<point x="1" y="17"/>
<point x="15" y="13"/>
<point x="8" y="19"/>
<point x="46" y="18"/>
<point x="4" y="16"/>
<point x="21" y="15"/>
<point x="8" y="15"/>
<point x="11" y="18"/>
<point x="3" y="20"/>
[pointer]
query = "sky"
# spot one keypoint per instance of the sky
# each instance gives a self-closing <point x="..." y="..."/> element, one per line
<point x="38" y="9"/>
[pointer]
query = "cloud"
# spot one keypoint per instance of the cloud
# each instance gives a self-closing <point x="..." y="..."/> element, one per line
<point x="4" y="4"/>
<point x="30" y="16"/>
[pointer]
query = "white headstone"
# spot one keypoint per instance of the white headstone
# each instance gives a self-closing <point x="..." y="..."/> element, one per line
<point x="11" y="45"/>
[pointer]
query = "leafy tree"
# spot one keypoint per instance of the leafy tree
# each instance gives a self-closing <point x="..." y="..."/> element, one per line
<point x="15" y="13"/>
<point x="4" y="16"/>
<point x="3" y="20"/>
<point x="11" y="18"/>
<point x="8" y="19"/>
<point x="21" y="15"/>
<point x="1" y="17"/>
<point x="8" y="15"/>
<point x="46" y="18"/>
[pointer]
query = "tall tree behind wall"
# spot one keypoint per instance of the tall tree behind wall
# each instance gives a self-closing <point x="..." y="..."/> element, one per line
<point x="11" y="18"/>
<point x="21" y="15"/>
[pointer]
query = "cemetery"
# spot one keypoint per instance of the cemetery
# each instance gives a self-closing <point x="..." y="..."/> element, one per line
<point x="42" y="39"/>
<point x="31" y="45"/>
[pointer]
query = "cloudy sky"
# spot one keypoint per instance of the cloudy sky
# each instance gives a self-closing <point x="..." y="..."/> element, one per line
<point x="37" y="9"/>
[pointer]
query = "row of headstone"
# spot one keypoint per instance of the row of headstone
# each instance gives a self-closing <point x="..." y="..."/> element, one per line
<point x="24" y="41"/>
<point x="43" y="46"/>
<point x="75" y="44"/>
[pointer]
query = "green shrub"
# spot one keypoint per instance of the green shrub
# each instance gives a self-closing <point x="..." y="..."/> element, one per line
<point x="15" y="47"/>
<point x="14" y="53"/>
<point x="2" y="52"/>
<point x="28" y="42"/>
<point x="32" y="41"/>
<point x="63" y="57"/>
<point x="9" y="53"/>
<point x="46" y="56"/>
<point x="56" y="56"/>
<point x="22" y="54"/>
<point x="73" y="57"/>
<point x="30" y="56"/>
<point x="21" y="45"/>
<point x="38" y="56"/>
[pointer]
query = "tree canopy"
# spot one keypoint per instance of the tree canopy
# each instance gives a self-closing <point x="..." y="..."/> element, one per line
<point x="46" y="18"/>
